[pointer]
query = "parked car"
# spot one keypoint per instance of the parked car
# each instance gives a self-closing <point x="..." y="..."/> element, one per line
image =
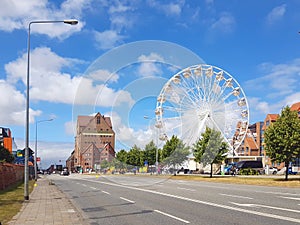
<point x="228" y="168"/>
<point x="255" y="165"/>
<point x="291" y="171"/>
<point x="65" y="172"/>
<point x="272" y="170"/>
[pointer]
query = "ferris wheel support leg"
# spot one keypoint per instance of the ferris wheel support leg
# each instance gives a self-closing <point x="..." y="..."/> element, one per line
<point x="233" y="151"/>
<point x="203" y="123"/>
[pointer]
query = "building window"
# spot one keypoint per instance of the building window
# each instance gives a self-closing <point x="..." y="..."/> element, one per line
<point x="98" y="120"/>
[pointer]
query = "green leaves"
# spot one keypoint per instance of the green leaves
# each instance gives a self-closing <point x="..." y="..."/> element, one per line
<point x="282" y="138"/>
<point x="210" y="148"/>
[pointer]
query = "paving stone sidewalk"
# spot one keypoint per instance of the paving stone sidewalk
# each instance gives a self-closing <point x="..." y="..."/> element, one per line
<point x="47" y="205"/>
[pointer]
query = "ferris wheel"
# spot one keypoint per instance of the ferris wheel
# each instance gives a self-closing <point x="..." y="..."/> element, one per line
<point x="202" y="96"/>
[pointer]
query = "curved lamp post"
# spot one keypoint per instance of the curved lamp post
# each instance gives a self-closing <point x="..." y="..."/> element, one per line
<point x="35" y="151"/>
<point x="26" y="169"/>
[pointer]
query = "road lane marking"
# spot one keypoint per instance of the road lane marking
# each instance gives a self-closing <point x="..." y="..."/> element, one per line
<point x="227" y="207"/>
<point x="127" y="200"/>
<point x="171" y="216"/>
<point x="266" y="206"/>
<point x="84" y="185"/>
<point x="187" y="189"/>
<point x="235" y="196"/>
<point x="298" y="199"/>
<point x="93" y="188"/>
<point x="105" y="192"/>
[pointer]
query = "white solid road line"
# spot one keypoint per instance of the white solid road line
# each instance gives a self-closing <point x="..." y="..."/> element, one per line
<point x="235" y="196"/>
<point x="171" y="216"/>
<point x="266" y="206"/>
<point x="298" y="199"/>
<point x="127" y="200"/>
<point x="227" y="207"/>
<point x="105" y="192"/>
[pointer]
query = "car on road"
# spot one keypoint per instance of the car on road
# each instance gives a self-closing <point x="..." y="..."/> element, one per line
<point x="65" y="172"/>
<point x="272" y="170"/>
<point x="254" y="165"/>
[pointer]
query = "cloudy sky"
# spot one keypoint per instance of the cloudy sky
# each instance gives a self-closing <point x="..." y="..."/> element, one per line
<point x="120" y="54"/>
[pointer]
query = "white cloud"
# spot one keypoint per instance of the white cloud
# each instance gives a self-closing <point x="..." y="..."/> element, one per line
<point x="224" y="23"/>
<point x="108" y="39"/>
<point x="12" y="104"/>
<point x="278" y="80"/>
<point x="49" y="83"/>
<point x="70" y="128"/>
<point x="103" y="75"/>
<point x="278" y="86"/>
<point x="171" y="9"/>
<point x="276" y="14"/>
<point x="15" y="14"/>
<point x="127" y="136"/>
<point x="148" y="66"/>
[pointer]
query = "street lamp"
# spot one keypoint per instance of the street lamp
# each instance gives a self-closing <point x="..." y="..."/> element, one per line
<point x="35" y="152"/>
<point x="156" y="152"/>
<point x="26" y="169"/>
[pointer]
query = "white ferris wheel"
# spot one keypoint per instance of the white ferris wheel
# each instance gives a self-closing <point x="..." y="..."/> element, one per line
<point x="202" y="96"/>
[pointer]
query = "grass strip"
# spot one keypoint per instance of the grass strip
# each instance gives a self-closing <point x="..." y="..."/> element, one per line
<point x="11" y="200"/>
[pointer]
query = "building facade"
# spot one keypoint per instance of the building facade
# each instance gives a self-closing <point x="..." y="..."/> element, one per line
<point x="6" y="139"/>
<point x="94" y="142"/>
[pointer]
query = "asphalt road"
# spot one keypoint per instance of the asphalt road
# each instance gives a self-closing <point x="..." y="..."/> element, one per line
<point x="122" y="200"/>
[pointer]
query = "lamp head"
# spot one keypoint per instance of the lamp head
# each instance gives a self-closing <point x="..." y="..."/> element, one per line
<point x="71" y="22"/>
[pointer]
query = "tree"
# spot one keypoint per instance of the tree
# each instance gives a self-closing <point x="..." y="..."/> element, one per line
<point x="150" y="153"/>
<point x="210" y="148"/>
<point x="121" y="159"/>
<point x="5" y="155"/>
<point x="122" y="156"/>
<point x="134" y="156"/>
<point x="282" y="138"/>
<point x="174" y="152"/>
<point x="104" y="164"/>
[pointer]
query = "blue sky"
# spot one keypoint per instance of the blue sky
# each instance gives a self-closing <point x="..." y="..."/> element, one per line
<point x="107" y="62"/>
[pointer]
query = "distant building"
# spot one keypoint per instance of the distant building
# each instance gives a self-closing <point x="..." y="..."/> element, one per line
<point x="6" y="139"/>
<point x="296" y="107"/>
<point x="251" y="145"/>
<point x="94" y="142"/>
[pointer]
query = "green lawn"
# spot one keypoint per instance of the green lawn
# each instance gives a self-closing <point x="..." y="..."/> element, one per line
<point x="11" y="201"/>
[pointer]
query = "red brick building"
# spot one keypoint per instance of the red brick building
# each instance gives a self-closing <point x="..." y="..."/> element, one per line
<point x="94" y="142"/>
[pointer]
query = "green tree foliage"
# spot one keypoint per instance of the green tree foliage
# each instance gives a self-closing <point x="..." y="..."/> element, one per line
<point x="282" y="138"/>
<point x="104" y="164"/>
<point x="5" y="155"/>
<point x="122" y="156"/>
<point x="134" y="156"/>
<point x="210" y="148"/>
<point x="174" y="152"/>
<point x="149" y="153"/>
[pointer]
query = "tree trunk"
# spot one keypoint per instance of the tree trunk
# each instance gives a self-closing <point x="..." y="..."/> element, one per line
<point x="287" y="170"/>
<point x="211" y="170"/>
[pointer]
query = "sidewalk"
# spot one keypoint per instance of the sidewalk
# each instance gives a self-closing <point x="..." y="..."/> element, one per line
<point x="47" y="205"/>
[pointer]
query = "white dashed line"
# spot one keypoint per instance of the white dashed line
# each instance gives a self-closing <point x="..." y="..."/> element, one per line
<point x="187" y="189"/>
<point x="105" y="192"/>
<point x="127" y="200"/>
<point x="236" y="196"/>
<point x="171" y="216"/>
